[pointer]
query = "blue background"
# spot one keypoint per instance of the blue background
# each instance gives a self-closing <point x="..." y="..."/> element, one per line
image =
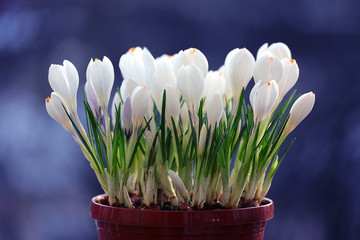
<point x="45" y="182"/>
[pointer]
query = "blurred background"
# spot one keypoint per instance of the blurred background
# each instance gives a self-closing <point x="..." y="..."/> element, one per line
<point x="45" y="182"/>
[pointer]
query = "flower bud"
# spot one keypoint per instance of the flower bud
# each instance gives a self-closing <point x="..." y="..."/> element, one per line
<point x="54" y="107"/>
<point x="64" y="80"/>
<point x="263" y="98"/>
<point x="268" y="69"/>
<point x="298" y="112"/>
<point x="100" y="74"/>
<point x="215" y="109"/>
<point x="140" y="100"/>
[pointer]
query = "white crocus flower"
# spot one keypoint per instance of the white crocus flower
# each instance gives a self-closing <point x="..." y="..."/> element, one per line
<point x="289" y="77"/>
<point x="164" y="76"/>
<point x="115" y="107"/>
<point x="189" y="57"/>
<point x="100" y="74"/>
<point x="127" y="87"/>
<point x="126" y="116"/>
<point x="190" y="82"/>
<point x="215" y="109"/>
<point x="263" y="98"/>
<point x="64" y="80"/>
<point x="55" y="108"/>
<point x="140" y="100"/>
<point x="138" y="65"/>
<point x="279" y="50"/>
<point x="92" y="99"/>
<point x="298" y="112"/>
<point x="239" y="69"/>
<point x="172" y="108"/>
<point x="213" y="82"/>
<point x="267" y="69"/>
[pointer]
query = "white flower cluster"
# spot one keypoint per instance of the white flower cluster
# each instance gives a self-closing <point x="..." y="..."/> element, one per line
<point x="186" y="78"/>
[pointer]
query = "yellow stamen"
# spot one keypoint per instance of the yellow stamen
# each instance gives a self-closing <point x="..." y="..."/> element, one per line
<point x="269" y="83"/>
<point x="132" y="49"/>
<point x="220" y="74"/>
<point x="48" y="99"/>
<point x="292" y="60"/>
<point x="96" y="59"/>
<point x="271" y="58"/>
<point x="193" y="51"/>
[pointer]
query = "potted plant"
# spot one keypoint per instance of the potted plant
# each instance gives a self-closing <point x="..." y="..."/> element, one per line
<point x="181" y="154"/>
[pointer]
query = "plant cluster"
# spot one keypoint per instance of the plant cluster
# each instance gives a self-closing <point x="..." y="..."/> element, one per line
<point x="179" y="133"/>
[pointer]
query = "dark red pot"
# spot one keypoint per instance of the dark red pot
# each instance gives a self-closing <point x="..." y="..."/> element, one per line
<point x="121" y="223"/>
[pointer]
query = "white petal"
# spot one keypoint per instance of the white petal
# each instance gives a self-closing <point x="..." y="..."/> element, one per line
<point x="127" y="87"/>
<point x="264" y="100"/>
<point x="289" y="77"/>
<point x="163" y="76"/>
<point x="101" y="76"/>
<point x="54" y="107"/>
<point x="64" y="80"/>
<point x="215" y="109"/>
<point x="299" y="111"/>
<point x="190" y="82"/>
<point x="172" y="109"/>
<point x="213" y="82"/>
<point x="280" y="50"/>
<point x="189" y="57"/>
<point x="92" y="99"/>
<point x="262" y="50"/>
<point x="267" y="69"/>
<point x="140" y="99"/>
<point x="240" y="70"/>
<point x="126" y="115"/>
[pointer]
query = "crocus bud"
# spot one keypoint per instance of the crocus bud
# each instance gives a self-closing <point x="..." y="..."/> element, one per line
<point x="267" y="69"/>
<point x="189" y="57"/>
<point x="202" y="139"/>
<point x="140" y="100"/>
<point x="164" y="76"/>
<point x="289" y="77"/>
<point x="126" y="116"/>
<point x="280" y="50"/>
<point x="138" y="65"/>
<point x="298" y="112"/>
<point x="64" y="80"/>
<point x="179" y="185"/>
<point x="100" y="74"/>
<point x="127" y="87"/>
<point x="263" y="98"/>
<point x="115" y="107"/>
<point x="190" y="82"/>
<point x="215" y="109"/>
<point x="213" y="82"/>
<point x="54" y="107"/>
<point x="239" y="69"/>
<point x="92" y="99"/>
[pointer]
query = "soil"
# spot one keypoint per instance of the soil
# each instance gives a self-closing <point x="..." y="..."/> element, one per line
<point x="138" y="204"/>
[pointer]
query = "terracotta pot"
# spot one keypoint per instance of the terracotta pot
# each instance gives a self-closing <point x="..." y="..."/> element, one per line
<point x="121" y="223"/>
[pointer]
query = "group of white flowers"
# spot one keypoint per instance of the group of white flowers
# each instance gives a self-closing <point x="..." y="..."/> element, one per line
<point x="149" y="145"/>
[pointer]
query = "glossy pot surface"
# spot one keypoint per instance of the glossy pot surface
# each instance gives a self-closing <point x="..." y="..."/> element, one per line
<point x="122" y="223"/>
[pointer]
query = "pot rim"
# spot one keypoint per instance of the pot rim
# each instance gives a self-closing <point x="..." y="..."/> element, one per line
<point x="168" y="218"/>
